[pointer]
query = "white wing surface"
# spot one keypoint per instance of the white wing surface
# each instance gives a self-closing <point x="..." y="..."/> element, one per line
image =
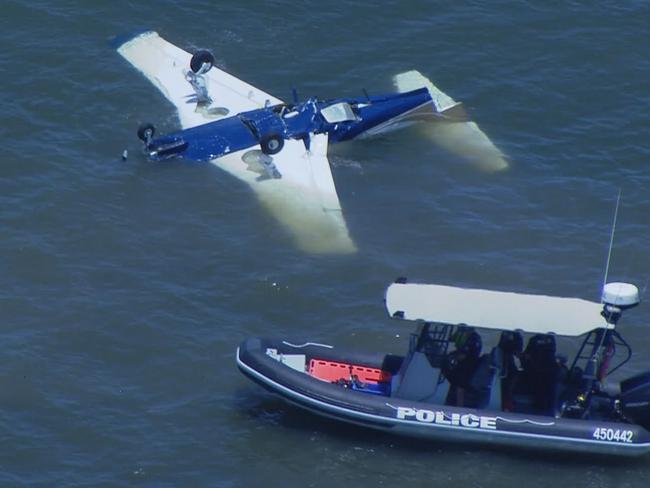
<point x="295" y="185"/>
<point x="165" y="65"/>
<point x="495" y="309"/>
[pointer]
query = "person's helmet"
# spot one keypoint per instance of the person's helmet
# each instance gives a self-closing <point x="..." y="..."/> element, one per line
<point x="467" y="341"/>
<point x="511" y="341"/>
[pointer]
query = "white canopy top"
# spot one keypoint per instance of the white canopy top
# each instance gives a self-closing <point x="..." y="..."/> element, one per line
<point x="495" y="309"/>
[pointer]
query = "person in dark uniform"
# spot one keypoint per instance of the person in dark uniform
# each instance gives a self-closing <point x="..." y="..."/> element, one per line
<point x="541" y="372"/>
<point x="512" y="345"/>
<point x="460" y="366"/>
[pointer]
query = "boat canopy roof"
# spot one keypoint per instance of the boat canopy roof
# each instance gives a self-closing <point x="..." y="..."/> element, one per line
<point x="499" y="310"/>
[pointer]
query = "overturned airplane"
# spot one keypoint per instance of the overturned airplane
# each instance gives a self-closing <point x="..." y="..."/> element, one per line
<point x="280" y="149"/>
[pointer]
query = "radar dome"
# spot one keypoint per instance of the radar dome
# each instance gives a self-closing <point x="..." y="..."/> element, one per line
<point x="622" y="295"/>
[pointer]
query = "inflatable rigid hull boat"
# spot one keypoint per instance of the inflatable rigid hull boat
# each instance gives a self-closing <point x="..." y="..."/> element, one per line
<point x="501" y="402"/>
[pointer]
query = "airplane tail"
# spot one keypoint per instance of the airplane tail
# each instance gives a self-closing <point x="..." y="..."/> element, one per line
<point x="461" y="136"/>
<point x="412" y="80"/>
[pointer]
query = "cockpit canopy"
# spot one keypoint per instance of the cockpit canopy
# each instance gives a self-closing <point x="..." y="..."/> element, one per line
<point x="338" y="112"/>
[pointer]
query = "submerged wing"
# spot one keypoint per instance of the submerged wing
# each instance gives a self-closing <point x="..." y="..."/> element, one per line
<point x="295" y="185"/>
<point x="456" y="134"/>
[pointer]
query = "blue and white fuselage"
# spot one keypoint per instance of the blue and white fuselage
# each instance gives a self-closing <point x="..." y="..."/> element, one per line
<point x="340" y="119"/>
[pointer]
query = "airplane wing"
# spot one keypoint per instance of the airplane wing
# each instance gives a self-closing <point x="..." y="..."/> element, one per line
<point x="296" y="185"/>
<point x="165" y="65"/>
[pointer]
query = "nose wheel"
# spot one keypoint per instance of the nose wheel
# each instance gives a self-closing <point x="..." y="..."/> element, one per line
<point x="146" y="132"/>
<point x="272" y="144"/>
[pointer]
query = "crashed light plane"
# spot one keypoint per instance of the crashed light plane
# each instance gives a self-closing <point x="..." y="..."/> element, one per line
<point x="280" y="149"/>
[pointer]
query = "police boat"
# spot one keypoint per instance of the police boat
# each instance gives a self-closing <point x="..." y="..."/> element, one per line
<point x="449" y="387"/>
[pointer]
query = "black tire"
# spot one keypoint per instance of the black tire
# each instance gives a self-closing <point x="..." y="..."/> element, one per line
<point x="272" y="144"/>
<point x="199" y="59"/>
<point x="146" y="132"/>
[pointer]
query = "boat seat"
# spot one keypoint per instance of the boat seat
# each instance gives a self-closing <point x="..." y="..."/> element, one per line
<point x="419" y="381"/>
<point x="486" y="381"/>
<point x="511" y="344"/>
<point x="541" y="372"/>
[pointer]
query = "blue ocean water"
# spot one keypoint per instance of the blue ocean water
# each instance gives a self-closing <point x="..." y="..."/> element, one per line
<point x="125" y="287"/>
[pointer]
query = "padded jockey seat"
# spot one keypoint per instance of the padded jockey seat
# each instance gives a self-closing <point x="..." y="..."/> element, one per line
<point x="540" y="375"/>
<point x="418" y="380"/>
<point x="486" y="381"/>
<point x="511" y="344"/>
<point x="419" y="377"/>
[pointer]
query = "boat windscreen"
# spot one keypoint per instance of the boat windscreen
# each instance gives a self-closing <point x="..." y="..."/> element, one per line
<point x="488" y="309"/>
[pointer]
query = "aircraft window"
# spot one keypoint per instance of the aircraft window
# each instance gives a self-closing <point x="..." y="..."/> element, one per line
<point x="339" y="112"/>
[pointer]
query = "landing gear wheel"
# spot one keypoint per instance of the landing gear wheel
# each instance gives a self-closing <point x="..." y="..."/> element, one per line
<point x="202" y="62"/>
<point x="272" y="144"/>
<point x="146" y="132"/>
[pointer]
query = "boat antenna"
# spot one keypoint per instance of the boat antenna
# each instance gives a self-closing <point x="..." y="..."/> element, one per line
<point x="611" y="239"/>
